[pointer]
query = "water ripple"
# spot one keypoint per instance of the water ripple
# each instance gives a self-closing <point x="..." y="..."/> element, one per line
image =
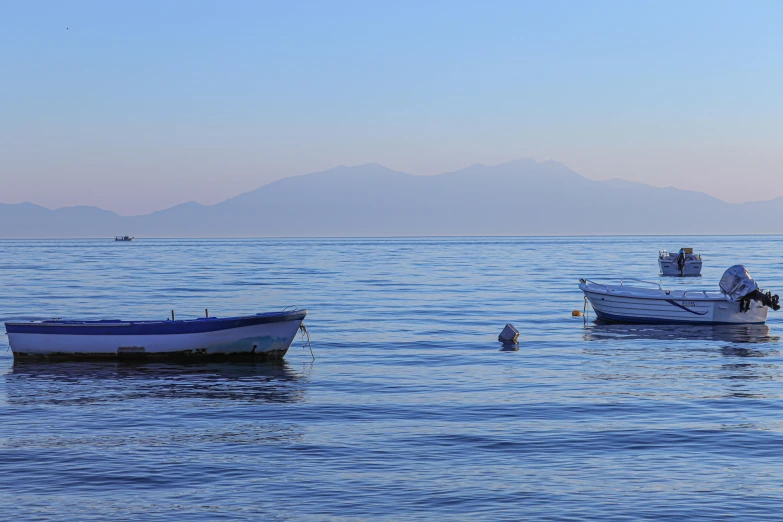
<point x="411" y="410"/>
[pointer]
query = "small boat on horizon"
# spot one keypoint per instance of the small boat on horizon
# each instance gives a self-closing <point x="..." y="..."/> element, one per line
<point x="266" y="335"/>
<point x="124" y="238"/>
<point x="683" y="264"/>
<point x="739" y="301"/>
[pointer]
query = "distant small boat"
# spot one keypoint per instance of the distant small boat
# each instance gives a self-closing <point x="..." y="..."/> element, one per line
<point x="123" y="238"/>
<point x="266" y="335"/>
<point x="684" y="263"/>
<point x="739" y="301"/>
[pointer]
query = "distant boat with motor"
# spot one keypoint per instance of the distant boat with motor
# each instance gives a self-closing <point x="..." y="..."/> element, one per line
<point x="124" y="238"/>
<point x="739" y="301"/>
<point x="684" y="263"/>
<point x="267" y="335"/>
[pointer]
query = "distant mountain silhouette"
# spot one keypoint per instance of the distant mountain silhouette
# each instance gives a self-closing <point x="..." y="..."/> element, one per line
<point x="522" y="197"/>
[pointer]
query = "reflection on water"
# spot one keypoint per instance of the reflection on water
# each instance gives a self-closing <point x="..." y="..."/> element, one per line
<point x="671" y="360"/>
<point x="31" y="383"/>
<point x="739" y="351"/>
<point x="124" y="398"/>
<point x="740" y="377"/>
<point x="747" y="333"/>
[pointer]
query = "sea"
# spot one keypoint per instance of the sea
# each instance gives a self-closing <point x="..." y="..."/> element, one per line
<point x="411" y="408"/>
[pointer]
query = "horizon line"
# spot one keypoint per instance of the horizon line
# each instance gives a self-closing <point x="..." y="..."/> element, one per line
<point x="107" y="238"/>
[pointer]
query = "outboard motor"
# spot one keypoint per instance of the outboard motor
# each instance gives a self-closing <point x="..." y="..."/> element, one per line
<point x="737" y="284"/>
<point x="681" y="261"/>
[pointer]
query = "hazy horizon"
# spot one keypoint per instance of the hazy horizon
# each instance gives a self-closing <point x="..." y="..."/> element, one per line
<point x="140" y="107"/>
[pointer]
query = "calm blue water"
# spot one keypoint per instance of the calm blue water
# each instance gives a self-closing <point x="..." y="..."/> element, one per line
<point x="410" y="410"/>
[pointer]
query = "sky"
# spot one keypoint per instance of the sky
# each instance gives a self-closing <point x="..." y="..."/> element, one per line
<point x="138" y="106"/>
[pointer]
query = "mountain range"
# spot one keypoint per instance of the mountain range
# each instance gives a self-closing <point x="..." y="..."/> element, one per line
<point x="522" y="197"/>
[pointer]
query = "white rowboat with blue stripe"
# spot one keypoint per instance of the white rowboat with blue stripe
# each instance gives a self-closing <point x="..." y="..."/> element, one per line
<point x="634" y="304"/>
<point x="261" y="335"/>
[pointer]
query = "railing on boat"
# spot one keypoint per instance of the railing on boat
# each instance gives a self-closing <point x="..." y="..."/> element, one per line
<point x="702" y="291"/>
<point x="641" y="281"/>
<point x="594" y="283"/>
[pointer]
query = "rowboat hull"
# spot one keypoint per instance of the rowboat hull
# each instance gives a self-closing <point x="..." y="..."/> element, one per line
<point x="618" y="304"/>
<point x="262" y="336"/>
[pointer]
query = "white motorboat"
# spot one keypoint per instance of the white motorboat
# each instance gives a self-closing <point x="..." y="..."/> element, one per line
<point x="739" y="301"/>
<point x="266" y="335"/>
<point x="684" y="263"/>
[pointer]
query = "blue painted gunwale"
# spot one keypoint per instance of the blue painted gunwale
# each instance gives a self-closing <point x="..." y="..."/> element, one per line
<point x="168" y="327"/>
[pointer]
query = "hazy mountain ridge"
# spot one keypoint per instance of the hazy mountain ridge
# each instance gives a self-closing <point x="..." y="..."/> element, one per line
<point x="522" y="197"/>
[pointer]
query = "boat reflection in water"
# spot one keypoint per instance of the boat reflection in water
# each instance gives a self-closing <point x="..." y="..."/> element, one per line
<point x="739" y="333"/>
<point x="30" y="382"/>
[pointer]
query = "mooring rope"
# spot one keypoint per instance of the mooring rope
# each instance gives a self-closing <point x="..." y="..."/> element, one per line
<point x="585" y="310"/>
<point x="306" y="343"/>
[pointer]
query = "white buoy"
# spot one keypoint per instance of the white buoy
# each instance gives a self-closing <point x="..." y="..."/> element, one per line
<point x="509" y="334"/>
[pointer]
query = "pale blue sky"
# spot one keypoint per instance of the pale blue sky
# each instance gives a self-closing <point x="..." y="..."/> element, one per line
<point x="141" y="105"/>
